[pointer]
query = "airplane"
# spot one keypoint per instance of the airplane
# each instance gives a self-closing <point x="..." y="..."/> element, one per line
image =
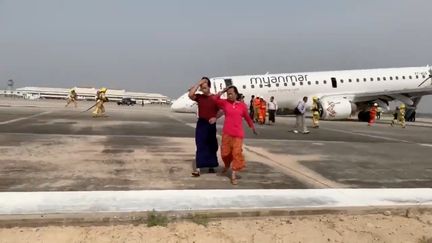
<point x="342" y="94"/>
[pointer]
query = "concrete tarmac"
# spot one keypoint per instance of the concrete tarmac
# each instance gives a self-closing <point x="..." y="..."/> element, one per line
<point x="46" y="147"/>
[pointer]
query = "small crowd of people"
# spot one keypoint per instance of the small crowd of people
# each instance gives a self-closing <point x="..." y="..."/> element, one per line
<point x="398" y="115"/>
<point x="101" y="99"/>
<point x="212" y="106"/>
<point x="259" y="107"/>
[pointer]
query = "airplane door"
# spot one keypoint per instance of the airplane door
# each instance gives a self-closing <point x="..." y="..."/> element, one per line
<point x="220" y="84"/>
<point x="228" y="82"/>
<point x="334" y="82"/>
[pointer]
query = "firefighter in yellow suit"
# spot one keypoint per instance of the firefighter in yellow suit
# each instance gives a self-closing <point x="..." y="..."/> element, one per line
<point x="72" y="98"/>
<point x="100" y="100"/>
<point x="315" y="112"/>
<point x="401" y="115"/>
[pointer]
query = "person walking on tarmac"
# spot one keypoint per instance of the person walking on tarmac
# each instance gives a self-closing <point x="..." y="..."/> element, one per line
<point x="379" y="112"/>
<point x="372" y="114"/>
<point x="395" y="116"/>
<point x="205" y="131"/>
<point x="251" y="107"/>
<point x="401" y="115"/>
<point x="100" y="100"/>
<point x="257" y="105"/>
<point x="232" y="132"/>
<point x="315" y="112"/>
<point x="72" y="98"/>
<point x="272" y="108"/>
<point x="262" y="111"/>
<point x="300" y="111"/>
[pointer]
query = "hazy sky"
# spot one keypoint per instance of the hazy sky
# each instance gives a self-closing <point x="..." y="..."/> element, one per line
<point x="164" y="46"/>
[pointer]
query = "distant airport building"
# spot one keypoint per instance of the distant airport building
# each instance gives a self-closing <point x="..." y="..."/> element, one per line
<point x="33" y="93"/>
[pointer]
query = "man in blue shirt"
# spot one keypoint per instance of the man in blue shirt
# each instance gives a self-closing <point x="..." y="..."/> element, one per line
<point x="300" y="116"/>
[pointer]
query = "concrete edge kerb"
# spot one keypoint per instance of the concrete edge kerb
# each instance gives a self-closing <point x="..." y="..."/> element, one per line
<point x="57" y="207"/>
<point x="137" y="218"/>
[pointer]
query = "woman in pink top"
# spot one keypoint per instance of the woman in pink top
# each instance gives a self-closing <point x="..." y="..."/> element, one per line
<point x="232" y="134"/>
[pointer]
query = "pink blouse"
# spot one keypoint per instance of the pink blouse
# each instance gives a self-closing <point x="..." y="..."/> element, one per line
<point x="234" y="114"/>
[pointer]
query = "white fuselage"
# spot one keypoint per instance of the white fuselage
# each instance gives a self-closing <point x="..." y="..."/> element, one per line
<point x="289" y="88"/>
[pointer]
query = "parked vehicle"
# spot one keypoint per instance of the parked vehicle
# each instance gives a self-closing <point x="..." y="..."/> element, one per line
<point x="126" y="101"/>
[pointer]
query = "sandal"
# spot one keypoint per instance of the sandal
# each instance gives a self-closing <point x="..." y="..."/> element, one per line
<point x="234" y="181"/>
<point x="234" y="178"/>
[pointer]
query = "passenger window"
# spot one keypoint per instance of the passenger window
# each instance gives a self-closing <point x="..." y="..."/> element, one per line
<point x="349" y="80"/>
<point x="378" y="79"/>
<point x="301" y="83"/>
<point x="253" y="86"/>
<point x="293" y="84"/>
<point x="371" y="79"/>
<point x="391" y="78"/>
<point x="384" y="78"/>
<point x="423" y="76"/>
<point x="416" y="76"/>
<point x="325" y="82"/>
<point x="277" y="85"/>
<point x="364" y="79"/>
<point x="309" y="83"/>
<point x="396" y="77"/>
<point x="358" y="80"/>
<point x="260" y="85"/>
<point x="403" y="77"/>
<point x="341" y="81"/>
<point x="244" y="86"/>
<point x="316" y="82"/>
<point x="286" y="84"/>
<point x="410" y="77"/>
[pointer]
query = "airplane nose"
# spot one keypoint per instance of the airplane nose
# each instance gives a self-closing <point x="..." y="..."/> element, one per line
<point x="175" y="105"/>
<point x="183" y="104"/>
<point x="178" y="104"/>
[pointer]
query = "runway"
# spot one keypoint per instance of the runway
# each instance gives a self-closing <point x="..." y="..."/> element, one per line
<point x="46" y="147"/>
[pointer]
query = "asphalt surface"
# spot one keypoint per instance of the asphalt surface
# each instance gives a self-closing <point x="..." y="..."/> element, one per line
<point x="46" y="147"/>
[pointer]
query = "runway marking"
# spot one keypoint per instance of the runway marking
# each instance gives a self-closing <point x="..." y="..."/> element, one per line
<point x="25" y="118"/>
<point x="316" y="141"/>
<point x="182" y="121"/>
<point x="293" y="169"/>
<point x="379" y="137"/>
<point x="321" y="142"/>
<point x="75" y="135"/>
<point x="425" y="144"/>
<point x="368" y="135"/>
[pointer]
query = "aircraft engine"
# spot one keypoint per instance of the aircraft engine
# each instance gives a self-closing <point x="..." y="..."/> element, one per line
<point x="336" y="108"/>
